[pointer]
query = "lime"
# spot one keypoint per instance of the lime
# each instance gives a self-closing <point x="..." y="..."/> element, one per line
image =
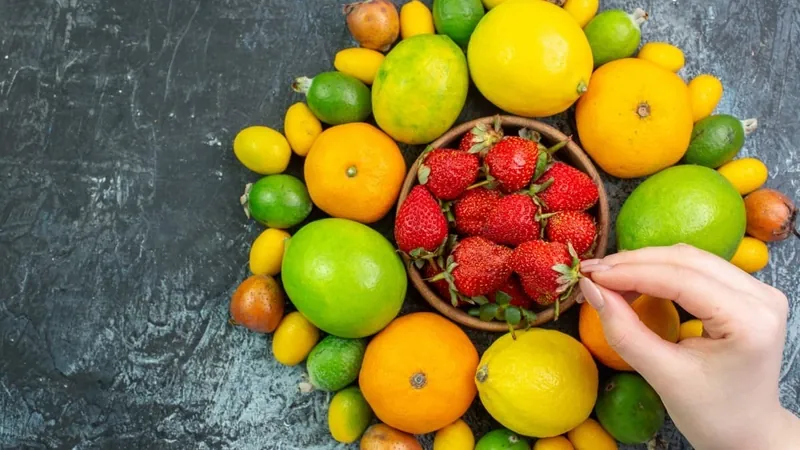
<point x="716" y="140"/>
<point x="629" y="409"/>
<point x="683" y="204"/>
<point x="614" y="34"/>
<point x="335" y="362"/>
<point x="457" y="18"/>
<point x="266" y="253"/>
<point x="349" y="415"/>
<point x="262" y="150"/>
<point x="277" y="201"/>
<point x="502" y="439"/>
<point x="335" y="98"/>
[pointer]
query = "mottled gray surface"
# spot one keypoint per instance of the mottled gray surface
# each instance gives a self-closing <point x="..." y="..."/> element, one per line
<point x="121" y="238"/>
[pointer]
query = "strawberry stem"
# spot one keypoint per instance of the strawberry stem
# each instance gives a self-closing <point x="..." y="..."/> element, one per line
<point x="477" y="185"/>
<point x="557" y="147"/>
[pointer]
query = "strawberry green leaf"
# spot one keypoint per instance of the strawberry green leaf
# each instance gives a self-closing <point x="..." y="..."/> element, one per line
<point x="423" y="173"/>
<point x="563" y="269"/>
<point x="501" y="313"/>
<point x="501" y="298"/>
<point x="513" y="315"/>
<point x="541" y="164"/>
<point x="480" y="300"/>
<point x="419" y="263"/>
<point x="531" y="135"/>
<point x="488" y="311"/>
<point x="474" y="312"/>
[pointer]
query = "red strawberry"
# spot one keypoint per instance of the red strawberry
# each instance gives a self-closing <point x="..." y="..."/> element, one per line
<point x="512" y="221"/>
<point x="575" y="227"/>
<point x="514" y="290"/>
<point x="479" y="266"/>
<point x="512" y="162"/>
<point x="431" y="270"/>
<point x="547" y="270"/>
<point x="448" y="173"/>
<point x="470" y="211"/>
<point x="481" y="138"/>
<point x="565" y="188"/>
<point x="420" y="228"/>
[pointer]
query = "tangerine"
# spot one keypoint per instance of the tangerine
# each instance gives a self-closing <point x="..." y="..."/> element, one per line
<point x="417" y="373"/>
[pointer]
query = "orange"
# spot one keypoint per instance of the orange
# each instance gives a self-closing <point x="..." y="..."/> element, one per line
<point x="354" y="171"/>
<point x="658" y="314"/>
<point x="417" y="373"/>
<point x="635" y="119"/>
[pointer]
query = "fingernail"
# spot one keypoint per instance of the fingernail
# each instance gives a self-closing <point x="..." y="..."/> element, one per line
<point x="594" y="268"/>
<point x="592" y="293"/>
<point x="590" y="262"/>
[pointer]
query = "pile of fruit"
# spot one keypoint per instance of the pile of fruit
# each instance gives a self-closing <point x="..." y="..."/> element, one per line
<point x="498" y="225"/>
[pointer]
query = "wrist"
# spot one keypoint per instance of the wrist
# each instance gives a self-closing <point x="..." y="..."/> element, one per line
<point x="787" y="431"/>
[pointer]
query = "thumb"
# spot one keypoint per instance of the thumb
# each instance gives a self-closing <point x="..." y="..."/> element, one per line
<point x="655" y="359"/>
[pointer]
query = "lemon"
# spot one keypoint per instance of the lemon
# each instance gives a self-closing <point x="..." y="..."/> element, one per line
<point x="541" y="384"/>
<point x="582" y="10"/>
<point x="489" y="4"/>
<point x="266" y="253"/>
<point x="294" y="339"/>
<point x="751" y="256"/>
<point x="262" y="150"/>
<point x="361" y="63"/>
<point x="591" y="436"/>
<point x="553" y="443"/>
<point x="415" y="18"/>
<point x="456" y="436"/>
<point x="302" y="128"/>
<point x="691" y="328"/>
<point x="745" y="174"/>
<point x="348" y="415"/>
<point x="705" y="92"/>
<point x="665" y="55"/>
<point x="524" y="37"/>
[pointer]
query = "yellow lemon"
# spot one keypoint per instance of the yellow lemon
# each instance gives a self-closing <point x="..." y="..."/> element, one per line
<point x="751" y="256"/>
<point x="361" y="63"/>
<point x="456" y="436"/>
<point x="665" y="55"/>
<point x="266" y="253"/>
<point x="262" y="150"/>
<point x="705" y="92"/>
<point x="524" y="37"/>
<point x="301" y="127"/>
<point x="691" y="328"/>
<point x="591" y="436"/>
<point x="415" y="18"/>
<point x="553" y="443"/>
<point x="489" y="4"/>
<point x="582" y="10"/>
<point x="541" y="384"/>
<point x="348" y="415"/>
<point x="745" y="174"/>
<point x="294" y="339"/>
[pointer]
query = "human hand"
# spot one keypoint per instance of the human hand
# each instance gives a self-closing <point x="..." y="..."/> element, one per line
<point x="721" y="390"/>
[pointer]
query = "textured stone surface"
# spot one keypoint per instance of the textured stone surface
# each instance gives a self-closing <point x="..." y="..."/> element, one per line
<point x="121" y="238"/>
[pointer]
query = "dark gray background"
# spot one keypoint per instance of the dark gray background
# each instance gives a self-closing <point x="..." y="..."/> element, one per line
<point x="121" y="238"/>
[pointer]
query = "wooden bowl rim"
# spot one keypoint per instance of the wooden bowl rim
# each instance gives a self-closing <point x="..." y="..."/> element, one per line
<point x="576" y="154"/>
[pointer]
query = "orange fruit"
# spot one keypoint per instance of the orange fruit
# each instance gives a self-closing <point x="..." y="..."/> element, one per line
<point x="354" y="171"/>
<point x="635" y="119"/>
<point x="257" y="304"/>
<point x="417" y="373"/>
<point x="658" y="314"/>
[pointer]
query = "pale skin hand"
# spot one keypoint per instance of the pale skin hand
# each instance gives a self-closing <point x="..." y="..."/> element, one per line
<point x="721" y="390"/>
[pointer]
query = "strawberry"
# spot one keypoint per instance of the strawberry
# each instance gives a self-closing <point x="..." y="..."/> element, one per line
<point x="448" y="173"/>
<point x="420" y="228"/>
<point x="565" y="188"/>
<point x="512" y="162"/>
<point x="514" y="291"/>
<point x="512" y="221"/>
<point x="477" y="267"/>
<point x="431" y="270"/>
<point x="574" y="227"/>
<point x="548" y="270"/>
<point x="470" y="211"/>
<point x="481" y="138"/>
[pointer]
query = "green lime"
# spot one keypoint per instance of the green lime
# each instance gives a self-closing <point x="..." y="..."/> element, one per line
<point x="457" y="18"/>
<point x="335" y="98"/>
<point x="716" y="140"/>
<point x="335" y="362"/>
<point x="502" y="439"/>
<point x="683" y="204"/>
<point x="629" y="409"/>
<point x="277" y="201"/>
<point x="614" y="34"/>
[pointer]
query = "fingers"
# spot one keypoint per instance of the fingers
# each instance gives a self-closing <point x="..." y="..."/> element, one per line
<point x="656" y="359"/>
<point x="690" y="257"/>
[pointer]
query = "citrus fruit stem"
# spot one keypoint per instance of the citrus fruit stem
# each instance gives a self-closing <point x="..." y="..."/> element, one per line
<point x="582" y="87"/>
<point x="643" y="110"/>
<point x="418" y="380"/>
<point x="482" y="374"/>
<point x="352" y="171"/>
<point x="639" y="16"/>
<point x="301" y="85"/>
<point x="750" y="125"/>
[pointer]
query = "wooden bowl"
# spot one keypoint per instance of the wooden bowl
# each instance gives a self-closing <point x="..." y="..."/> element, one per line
<point x="572" y="154"/>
